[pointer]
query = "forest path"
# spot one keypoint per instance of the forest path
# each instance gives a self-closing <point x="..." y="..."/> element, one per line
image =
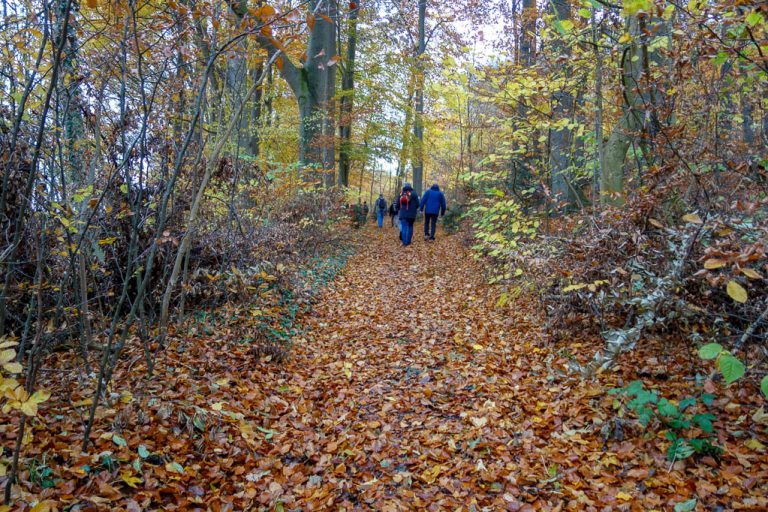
<point x="414" y="389"/>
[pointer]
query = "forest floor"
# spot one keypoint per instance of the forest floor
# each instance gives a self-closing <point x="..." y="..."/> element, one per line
<point x="410" y="389"/>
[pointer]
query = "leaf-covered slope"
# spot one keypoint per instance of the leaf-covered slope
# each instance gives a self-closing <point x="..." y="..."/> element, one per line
<point x="411" y="389"/>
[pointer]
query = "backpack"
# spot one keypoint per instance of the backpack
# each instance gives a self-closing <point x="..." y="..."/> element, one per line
<point x="381" y="204"/>
<point x="404" y="199"/>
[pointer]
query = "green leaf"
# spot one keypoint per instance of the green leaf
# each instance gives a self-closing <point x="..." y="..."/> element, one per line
<point x="754" y="19"/>
<point x="686" y="403"/>
<point x="119" y="441"/>
<point x="268" y="433"/>
<point x="585" y="13"/>
<point x="704" y="421"/>
<point x="679" y="450"/>
<point x="686" y="506"/>
<point x="710" y="350"/>
<point x="764" y="386"/>
<point x="666" y="408"/>
<point x="143" y="452"/>
<point x="634" y="387"/>
<point x="731" y="368"/>
<point x="707" y="398"/>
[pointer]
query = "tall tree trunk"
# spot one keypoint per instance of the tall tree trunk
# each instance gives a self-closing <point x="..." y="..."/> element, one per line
<point x="528" y="33"/>
<point x="418" y="125"/>
<point x="347" y="100"/>
<point x="644" y="99"/>
<point x="629" y="125"/>
<point x="405" y="142"/>
<point x="69" y="94"/>
<point x="598" y="109"/>
<point x="313" y="86"/>
<point x="560" y="139"/>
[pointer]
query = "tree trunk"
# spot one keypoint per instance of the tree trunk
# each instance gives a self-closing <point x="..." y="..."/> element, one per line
<point x="347" y="100"/>
<point x="598" y="110"/>
<point x="560" y="139"/>
<point x="629" y="125"/>
<point x="528" y="33"/>
<point x="313" y="86"/>
<point x="418" y="125"/>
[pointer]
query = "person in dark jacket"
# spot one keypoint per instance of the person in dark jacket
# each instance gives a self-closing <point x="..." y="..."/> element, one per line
<point x="381" y="209"/>
<point x="409" y="207"/>
<point x="432" y="204"/>
<point x="393" y="210"/>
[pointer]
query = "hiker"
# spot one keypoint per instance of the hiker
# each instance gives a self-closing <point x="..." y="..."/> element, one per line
<point x="432" y="204"/>
<point x="365" y="211"/>
<point x="381" y="209"/>
<point x="393" y="211"/>
<point x="357" y="215"/>
<point x="409" y="206"/>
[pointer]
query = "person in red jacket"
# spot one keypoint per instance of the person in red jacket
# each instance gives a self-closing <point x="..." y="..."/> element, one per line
<point x="409" y="206"/>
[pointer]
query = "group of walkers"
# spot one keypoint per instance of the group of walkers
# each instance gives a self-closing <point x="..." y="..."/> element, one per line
<point x="405" y="208"/>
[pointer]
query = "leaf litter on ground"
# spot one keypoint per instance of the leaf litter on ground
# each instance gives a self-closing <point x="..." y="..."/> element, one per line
<point x="410" y="387"/>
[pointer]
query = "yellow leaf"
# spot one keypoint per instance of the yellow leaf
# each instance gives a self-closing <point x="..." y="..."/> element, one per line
<point x="754" y="444"/>
<point x="8" y="343"/>
<point x="217" y="406"/>
<point x="44" y="506"/>
<point x="736" y="292"/>
<point x="656" y="223"/>
<point x="130" y="479"/>
<point x="3" y="472"/>
<point x="623" y="496"/>
<point x="29" y="408"/>
<point x="625" y="38"/>
<point x="7" y="356"/>
<point x="477" y="347"/>
<point x="751" y="273"/>
<point x="40" y="396"/>
<point x="714" y="263"/>
<point x="13" y="367"/>
<point x="126" y="397"/>
<point x="693" y="218"/>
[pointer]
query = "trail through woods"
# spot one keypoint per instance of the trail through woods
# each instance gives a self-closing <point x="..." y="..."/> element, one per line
<point x="410" y="389"/>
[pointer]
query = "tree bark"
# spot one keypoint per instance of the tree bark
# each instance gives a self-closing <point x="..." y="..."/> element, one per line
<point x="418" y="125"/>
<point x="629" y="125"/>
<point x="347" y="100"/>
<point x="313" y="87"/>
<point x="560" y="139"/>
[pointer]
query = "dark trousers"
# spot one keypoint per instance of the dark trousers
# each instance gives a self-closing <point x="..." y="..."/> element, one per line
<point x="430" y="224"/>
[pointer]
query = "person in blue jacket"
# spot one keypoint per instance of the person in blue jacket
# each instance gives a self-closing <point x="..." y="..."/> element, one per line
<point x="432" y="204"/>
<point x="409" y="207"/>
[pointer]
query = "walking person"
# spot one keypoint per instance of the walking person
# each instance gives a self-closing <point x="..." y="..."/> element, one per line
<point x="365" y="212"/>
<point x="381" y="210"/>
<point x="432" y="204"/>
<point x="409" y="207"/>
<point x="393" y="211"/>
